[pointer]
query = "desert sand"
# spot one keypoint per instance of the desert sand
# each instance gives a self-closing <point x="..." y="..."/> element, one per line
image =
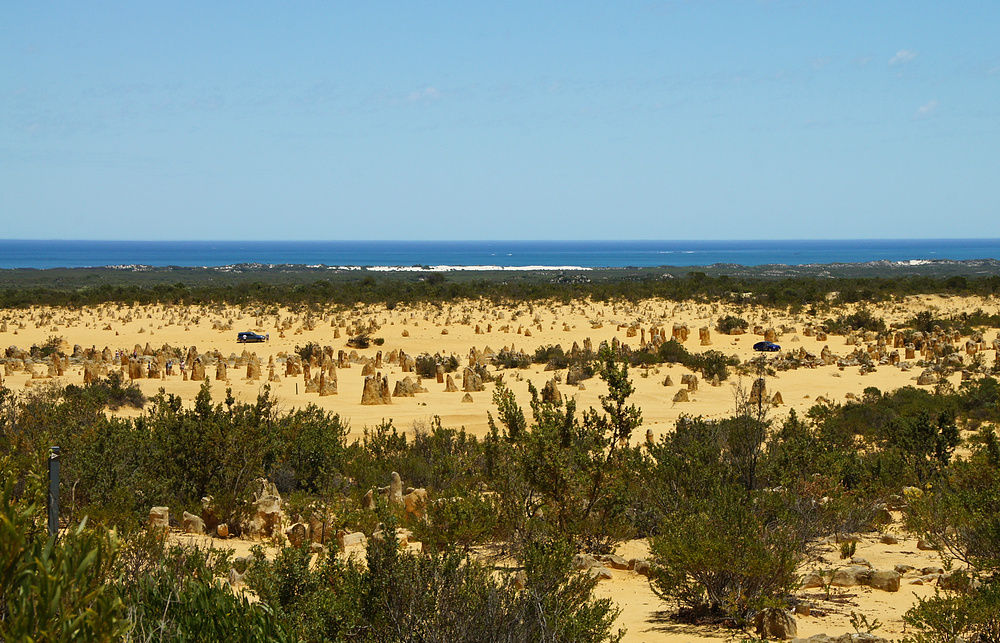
<point x="451" y="329"/>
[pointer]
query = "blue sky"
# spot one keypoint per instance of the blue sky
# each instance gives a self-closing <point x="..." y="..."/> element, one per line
<point x="513" y="120"/>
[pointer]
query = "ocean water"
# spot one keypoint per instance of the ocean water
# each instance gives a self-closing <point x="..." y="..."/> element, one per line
<point x="43" y="254"/>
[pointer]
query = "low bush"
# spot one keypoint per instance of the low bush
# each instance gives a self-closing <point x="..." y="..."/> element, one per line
<point x="729" y="323"/>
<point x="398" y="596"/>
<point x="110" y="392"/>
<point x="426" y="365"/>
<point x="551" y="355"/>
<point x="507" y="358"/>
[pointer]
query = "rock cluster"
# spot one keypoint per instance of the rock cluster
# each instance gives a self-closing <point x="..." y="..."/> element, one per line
<point x="376" y="390"/>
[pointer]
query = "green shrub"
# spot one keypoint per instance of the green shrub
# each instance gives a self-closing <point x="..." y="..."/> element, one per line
<point x="712" y="363"/>
<point x="398" y="596"/>
<point x="727" y="324"/>
<point x="110" y="392"/>
<point x="54" y="590"/>
<point x="949" y="617"/>
<point x="426" y="365"/>
<point x="673" y="352"/>
<point x="723" y="545"/>
<point x="507" y="358"/>
<point x="179" y="596"/>
<point x="728" y="555"/>
<point x="310" y="350"/>
<point x="359" y="341"/>
<point x="551" y="355"/>
<point x="315" y="444"/>
<point x="863" y="319"/>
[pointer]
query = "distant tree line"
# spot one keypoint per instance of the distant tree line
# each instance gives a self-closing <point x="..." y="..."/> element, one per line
<point x="799" y="293"/>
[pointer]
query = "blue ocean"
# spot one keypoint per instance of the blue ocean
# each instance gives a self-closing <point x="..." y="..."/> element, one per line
<point x="43" y="254"/>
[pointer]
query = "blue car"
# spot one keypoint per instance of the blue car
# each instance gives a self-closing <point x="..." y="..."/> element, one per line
<point x="247" y="338"/>
<point x="766" y="347"/>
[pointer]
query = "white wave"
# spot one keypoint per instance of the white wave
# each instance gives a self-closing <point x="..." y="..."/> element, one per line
<point x="445" y="268"/>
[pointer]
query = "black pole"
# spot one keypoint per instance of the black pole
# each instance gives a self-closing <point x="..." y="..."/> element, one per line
<point x="53" y="491"/>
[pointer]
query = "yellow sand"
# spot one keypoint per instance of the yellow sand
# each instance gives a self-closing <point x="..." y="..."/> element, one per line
<point x="451" y="329"/>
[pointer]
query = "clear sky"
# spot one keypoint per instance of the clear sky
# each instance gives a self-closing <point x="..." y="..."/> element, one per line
<point x="501" y="120"/>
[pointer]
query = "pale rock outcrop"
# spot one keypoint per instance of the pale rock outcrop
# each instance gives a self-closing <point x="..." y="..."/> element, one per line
<point x="376" y="390"/>
<point x="551" y="392"/>
<point x="472" y="382"/>
<point x="351" y="540"/>
<point x="404" y="388"/>
<point x="395" y="489"/>
<point x="159" y="518"/>
<point x="885" y="580"/>
<point x="927" y="378"/>
<point x="327" y="384"/>
<point x="776" y="623"/>
<point x="193" y="524"/>
<point x="266" y="516"/>
<point x="296" y="534"/>
<point x="415" y="501"/>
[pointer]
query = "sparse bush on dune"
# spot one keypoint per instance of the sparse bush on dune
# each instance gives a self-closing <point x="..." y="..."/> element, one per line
<point x="89" y="585"/>
<point x="729" y="323"/>
<point x="400" y="596"/>
<point x="731" y="506"/>
<point x="426" y="365"/>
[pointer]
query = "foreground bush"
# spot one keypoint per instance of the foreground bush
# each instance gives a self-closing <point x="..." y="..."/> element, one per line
<point x="950" y="617"/>
<point x="49" y="590"/>
<point x="724" y="547"/>
<point x="402" y="597"/>
<point x="182" y="597"/>
<point x="88" y="585"/>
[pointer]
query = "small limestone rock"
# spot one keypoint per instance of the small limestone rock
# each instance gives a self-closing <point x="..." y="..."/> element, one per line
<point x="296" y="534"/>
<point x="776" y="623"/>
<point x="159" y="518"/>
<point x="355" y="539"/>
<point x="584" y="561"/>
<point x="851" y="576"/>
<point x="193" y="524"/>
<point x="640" y="566"/>
<point x="812" y="580"/>
<point x="885" y="580"/>
<point x="613" y="561"/>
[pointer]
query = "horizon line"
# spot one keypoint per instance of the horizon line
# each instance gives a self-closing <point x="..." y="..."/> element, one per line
<point x="757" y="240"/>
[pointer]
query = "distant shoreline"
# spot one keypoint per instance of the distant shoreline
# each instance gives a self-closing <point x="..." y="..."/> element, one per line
<point x="484" y="256"/>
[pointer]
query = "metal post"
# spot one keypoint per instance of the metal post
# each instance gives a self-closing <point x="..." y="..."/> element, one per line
<point x="53" y="491"/>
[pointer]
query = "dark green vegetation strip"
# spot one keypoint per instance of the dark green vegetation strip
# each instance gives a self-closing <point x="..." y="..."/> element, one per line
<point x="305" y="286"/>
